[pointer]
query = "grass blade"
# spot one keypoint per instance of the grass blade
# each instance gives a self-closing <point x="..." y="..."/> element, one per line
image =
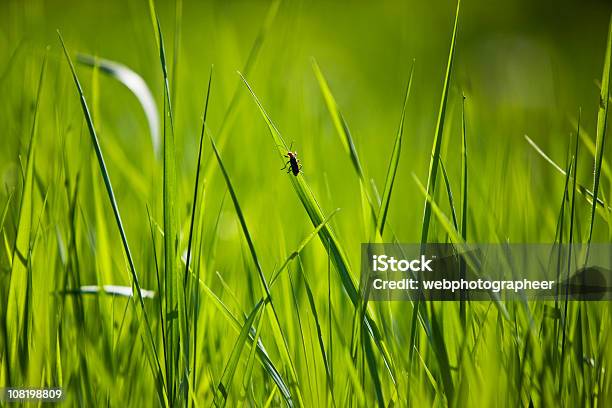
<point x="435" y="154"/>
<point x="111" y="196"/>
<point x="230" y="368"/>
<point x="393" y="163"/>
<point x="602" y="124"/>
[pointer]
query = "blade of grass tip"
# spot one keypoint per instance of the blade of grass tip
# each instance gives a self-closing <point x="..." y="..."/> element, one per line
<point x="394" y="162"/>
<point x="302" y="245"/>
<point x="588" y="194"/>
<point x="326" y="234"/>
<point x="18" y="280"/>
<point x="569" y="257"/>
<point x="136" y="85"/>
<point x="602" y="122"/>
<point x="230" y="368"/>
<point x="449" y="193"/>
<point x="113" y="201"/>
<point x="435" y="155"/>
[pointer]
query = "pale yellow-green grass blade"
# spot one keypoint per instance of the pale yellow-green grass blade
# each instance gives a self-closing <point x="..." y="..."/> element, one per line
<point x="136" y="84"/>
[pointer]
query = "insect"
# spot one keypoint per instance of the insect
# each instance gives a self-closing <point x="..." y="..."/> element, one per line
<point x="293" y="165"/>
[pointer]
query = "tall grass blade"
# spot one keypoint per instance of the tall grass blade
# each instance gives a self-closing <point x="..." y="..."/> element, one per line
<point x="393" y="163"/>
<point x="435" y="153"/>
<point x="111" y="196"/>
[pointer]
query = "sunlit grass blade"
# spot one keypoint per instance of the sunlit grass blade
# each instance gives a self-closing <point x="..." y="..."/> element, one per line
<point x="437" y="144"/>
<point x="112" y="290"/>
<point x="393" y="163"/>
<point x="134" y="83"/>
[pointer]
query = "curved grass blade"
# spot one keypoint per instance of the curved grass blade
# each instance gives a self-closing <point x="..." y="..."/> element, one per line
<point x="113" y="290"/>
<point x="435" y="154"/>
<point x="135" y="84"/>
<point x="393" y="163"/>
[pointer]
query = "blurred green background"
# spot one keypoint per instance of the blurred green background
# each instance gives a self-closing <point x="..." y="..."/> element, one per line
<point x="525" y="67"/>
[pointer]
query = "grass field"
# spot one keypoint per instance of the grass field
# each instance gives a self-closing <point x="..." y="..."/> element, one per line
<point x="152" y="252"/>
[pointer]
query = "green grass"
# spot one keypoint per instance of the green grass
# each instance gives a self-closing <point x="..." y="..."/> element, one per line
<point x="136" y="170"/>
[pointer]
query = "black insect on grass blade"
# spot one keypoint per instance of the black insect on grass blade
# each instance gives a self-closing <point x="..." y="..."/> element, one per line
<point x="274" y="320"/>
<point x="327" y="236"/>
<point x="394" y="162"/>
<point x="602" y="124"/>
<point x="435" y="153"/>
